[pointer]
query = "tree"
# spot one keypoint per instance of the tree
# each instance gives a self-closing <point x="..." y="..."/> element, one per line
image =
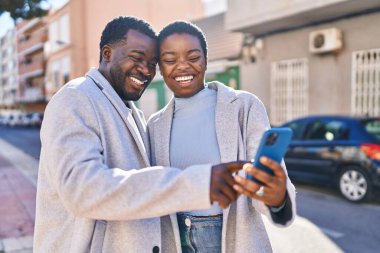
<point x="25" y="9"/>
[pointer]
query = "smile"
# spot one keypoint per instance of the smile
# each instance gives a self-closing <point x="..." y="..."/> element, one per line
<point x="138" y="81"/>
<point x="184" y="79"/>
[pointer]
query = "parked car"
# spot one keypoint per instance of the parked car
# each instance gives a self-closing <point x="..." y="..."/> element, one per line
<point x="34" y="119"/>
<point x="13" y="120"/>
<point x="336" y="150"/>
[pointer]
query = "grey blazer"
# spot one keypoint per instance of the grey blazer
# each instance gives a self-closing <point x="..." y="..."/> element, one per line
<point x="95" y="190"/>
<point x="240" y="120"/>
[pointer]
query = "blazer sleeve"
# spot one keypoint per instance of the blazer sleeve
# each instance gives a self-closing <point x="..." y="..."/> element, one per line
<point x="257" y="122"/>
<point x="75" y="166"/>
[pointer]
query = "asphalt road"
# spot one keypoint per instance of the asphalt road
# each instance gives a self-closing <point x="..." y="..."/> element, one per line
<point x="26" y="139"/>
<point x="352" y="227"/>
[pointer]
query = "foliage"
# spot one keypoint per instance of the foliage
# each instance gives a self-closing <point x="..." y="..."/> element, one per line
<point x="25" y="9"/>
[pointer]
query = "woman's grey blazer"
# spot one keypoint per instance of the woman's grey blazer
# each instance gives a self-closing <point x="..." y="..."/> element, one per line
<point x="240" y="120"/>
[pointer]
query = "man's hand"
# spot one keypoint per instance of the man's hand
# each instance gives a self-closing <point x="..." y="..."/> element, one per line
<point x="222" y="182"/>
<point x="274" y="188"/>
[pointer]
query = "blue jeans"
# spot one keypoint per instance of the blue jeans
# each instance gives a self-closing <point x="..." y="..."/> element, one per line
<point x="200" y="234"/>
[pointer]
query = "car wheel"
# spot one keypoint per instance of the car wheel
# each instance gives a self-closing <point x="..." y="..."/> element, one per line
<point x="354" y="184"/>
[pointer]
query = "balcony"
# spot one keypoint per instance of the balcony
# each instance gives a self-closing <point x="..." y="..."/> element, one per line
<point x="32" y="42"/>
<point x="31" y="94"/>
<point x="32" y="67"/>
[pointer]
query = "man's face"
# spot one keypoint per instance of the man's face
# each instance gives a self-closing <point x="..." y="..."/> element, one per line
<point x="131" y="64"/>
<point x="182" y="64"/>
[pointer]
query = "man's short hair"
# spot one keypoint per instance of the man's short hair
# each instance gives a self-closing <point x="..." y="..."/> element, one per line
<point x="117" y="28"/>
<point x="183" y="27"/>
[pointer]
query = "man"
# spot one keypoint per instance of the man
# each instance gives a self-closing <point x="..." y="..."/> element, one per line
<point x="212" y="123"/>
<point x="96" y="191"/>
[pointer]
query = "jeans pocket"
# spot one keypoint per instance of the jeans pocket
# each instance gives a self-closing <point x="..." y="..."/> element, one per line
<point x="98" y="236"/>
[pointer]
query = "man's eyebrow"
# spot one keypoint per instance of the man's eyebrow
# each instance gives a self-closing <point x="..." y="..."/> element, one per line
<point x="138" y="52"/>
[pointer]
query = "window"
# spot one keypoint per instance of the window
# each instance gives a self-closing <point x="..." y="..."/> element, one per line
<point x="372" y="127"/>
<point x="298" y="129"/>
<point x="327" y="130"/>
<point x="65" y="68"/>
<point x="55" y="73"/>
<point x="59" y="33"/>
<point x="289" y="90"/>
<point x="365" y="83"/>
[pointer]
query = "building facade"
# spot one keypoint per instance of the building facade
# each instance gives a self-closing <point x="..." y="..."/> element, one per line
<point x="31" y="36"/>
<point x="8" y="70"/>
<point x="310" y="57"/>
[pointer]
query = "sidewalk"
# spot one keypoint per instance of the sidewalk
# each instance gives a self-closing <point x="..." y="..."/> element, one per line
<point x="18" y="176"/>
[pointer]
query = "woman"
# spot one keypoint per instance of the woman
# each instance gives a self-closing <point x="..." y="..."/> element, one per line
<point x="211" y="123"/>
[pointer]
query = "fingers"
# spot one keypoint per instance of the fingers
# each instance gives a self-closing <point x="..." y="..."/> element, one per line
<point x="274" y="185"/>
<point x="222" y="181"/>
<point x="273" y="165"/>
<point x="222" y="200"/>
<point x="235" y="166"/>
<point x="246" y="186"/>
<point x="263" y="176"/>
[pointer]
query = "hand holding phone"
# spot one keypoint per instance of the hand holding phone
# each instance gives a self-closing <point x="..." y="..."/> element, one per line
<point x="273" y="144"/>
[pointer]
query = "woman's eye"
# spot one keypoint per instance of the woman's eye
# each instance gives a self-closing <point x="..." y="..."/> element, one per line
<point x="195" y="58"/>
<point x="168" y="61"/>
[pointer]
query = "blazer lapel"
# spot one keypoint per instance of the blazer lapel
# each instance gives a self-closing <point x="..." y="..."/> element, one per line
<point x="122" y="110"/>
<point x="162" y="134"/>
<point x="141" y="125"/>
<point x="226" y="123"/>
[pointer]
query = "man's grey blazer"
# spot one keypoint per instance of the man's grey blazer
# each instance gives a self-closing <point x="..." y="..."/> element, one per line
<point x="96" y="191"/>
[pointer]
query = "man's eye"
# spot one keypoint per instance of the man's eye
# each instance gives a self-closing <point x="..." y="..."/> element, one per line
<point x="136" y="59"/>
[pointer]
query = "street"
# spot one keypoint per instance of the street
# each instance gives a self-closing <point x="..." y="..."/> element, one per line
<point x="325" y="223"/>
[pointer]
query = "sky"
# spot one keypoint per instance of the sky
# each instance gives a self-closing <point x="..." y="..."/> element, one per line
<point x="6" y="22"/>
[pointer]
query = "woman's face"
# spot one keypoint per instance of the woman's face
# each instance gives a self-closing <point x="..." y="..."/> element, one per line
<point x="182" y="64"/>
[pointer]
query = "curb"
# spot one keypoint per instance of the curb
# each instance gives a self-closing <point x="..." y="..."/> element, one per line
<point x="23" y="162"/>
<point x="17" y="245"/>
<point x="28" y="166"/>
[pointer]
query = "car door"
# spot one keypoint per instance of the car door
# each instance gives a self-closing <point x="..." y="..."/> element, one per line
<point x="316" y="155"/>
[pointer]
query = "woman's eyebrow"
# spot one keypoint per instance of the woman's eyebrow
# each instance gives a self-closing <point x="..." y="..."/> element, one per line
<point x="167" y="52"/>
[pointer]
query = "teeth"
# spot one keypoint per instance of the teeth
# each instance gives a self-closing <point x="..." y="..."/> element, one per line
<point x="134" y="79"/>
<point x="184" y="78"/>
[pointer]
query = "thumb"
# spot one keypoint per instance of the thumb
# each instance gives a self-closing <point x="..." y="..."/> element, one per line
<point x="235" y="166"/>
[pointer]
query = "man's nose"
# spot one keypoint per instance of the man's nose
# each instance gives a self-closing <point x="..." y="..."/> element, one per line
<point x="143" y="68"/>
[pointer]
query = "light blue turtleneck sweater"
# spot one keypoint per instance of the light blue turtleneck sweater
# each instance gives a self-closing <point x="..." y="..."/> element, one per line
<point x="193" y="137"/>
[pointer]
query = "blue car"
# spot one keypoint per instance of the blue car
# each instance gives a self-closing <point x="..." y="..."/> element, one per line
<point x="336" y="150"/>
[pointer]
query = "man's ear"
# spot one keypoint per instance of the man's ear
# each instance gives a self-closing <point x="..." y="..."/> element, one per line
<point x="106" y="53"/>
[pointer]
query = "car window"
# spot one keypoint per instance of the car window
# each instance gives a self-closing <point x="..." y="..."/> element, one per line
<point x="327" y="130"/>
<point x="373" y="127"/>
<point x="298" y="128"/>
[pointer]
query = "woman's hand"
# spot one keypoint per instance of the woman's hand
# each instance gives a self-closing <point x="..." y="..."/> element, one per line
<point x="273" y="190"/>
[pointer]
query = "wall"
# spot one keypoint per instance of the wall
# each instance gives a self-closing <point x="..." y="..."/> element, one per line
<point x="329" y="75"/>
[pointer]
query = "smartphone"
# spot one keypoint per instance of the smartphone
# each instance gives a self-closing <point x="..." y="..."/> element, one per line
<point x="273" y="144"/>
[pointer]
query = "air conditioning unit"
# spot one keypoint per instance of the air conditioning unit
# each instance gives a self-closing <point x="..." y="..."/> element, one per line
<point x="326" y="40"/>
